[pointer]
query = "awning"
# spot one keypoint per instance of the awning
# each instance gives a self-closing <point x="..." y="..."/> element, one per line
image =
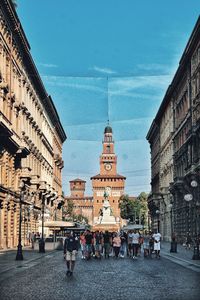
<point x="132" y="227"/>
<point x="58" y="224"/>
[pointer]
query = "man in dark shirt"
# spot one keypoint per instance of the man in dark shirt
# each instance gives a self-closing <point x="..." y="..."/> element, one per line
<point x="88" y="242"/>
<point x="70" y="251"/>
<point x="107" y="243"/>
<point x="123" y="237"/>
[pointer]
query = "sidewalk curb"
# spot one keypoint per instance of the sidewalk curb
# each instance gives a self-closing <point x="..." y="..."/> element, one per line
<point x="23" y="262"/>
<point x="183" y="262"/>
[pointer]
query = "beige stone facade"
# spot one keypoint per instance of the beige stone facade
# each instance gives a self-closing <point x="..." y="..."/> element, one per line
<point x="31" y="135"/>
<point x="166" y="170"/>
<point x="177" y="124"/>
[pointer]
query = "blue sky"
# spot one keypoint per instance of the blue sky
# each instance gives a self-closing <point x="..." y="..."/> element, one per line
<point x="108" y="59"/>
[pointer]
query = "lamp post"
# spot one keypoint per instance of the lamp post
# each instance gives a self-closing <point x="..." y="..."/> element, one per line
<point x="188" y="198"/>
<point x="173" y="238"/>
<point x="43" y="192"/>
<point x="41" y="242"/>
<point x="158" y="219"/>
<point x="171" y="225"/>
<point x="19" y="255"/>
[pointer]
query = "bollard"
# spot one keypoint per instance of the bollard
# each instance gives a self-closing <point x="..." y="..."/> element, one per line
<point x="41" y="246"/>
<point x="196" y="253"/>
<point x="173" y="247"/>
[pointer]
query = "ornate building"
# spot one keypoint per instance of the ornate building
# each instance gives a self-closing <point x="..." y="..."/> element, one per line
<point x="31" y="135"/>
<point x="108" y="179"/>
<point x="153" y="137"/>
<point x="177" y="122"/>
<point x="187" y="140"/>
<point x="160" y="139"/>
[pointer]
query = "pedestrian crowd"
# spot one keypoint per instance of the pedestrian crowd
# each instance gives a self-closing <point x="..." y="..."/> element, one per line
<point x="110" y="244"/>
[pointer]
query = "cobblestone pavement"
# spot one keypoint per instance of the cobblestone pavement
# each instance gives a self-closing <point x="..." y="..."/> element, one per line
<point x="106" y="279"/>
<point x="8" y="262"/>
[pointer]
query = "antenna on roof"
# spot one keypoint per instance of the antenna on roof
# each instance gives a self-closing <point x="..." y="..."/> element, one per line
<point x="107" y="101"/>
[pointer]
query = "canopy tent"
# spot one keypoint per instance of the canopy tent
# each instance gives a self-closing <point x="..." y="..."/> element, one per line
<point x="132" y="227"/>
<point x="59" y="224"/>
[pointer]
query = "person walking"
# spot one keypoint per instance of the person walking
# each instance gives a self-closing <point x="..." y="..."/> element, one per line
<point x="33" y="239"/>
<point x="116" y="244"/>
<point x="151" y="244"/>
<point x="82" y="243"/>
<point x="107" y="243"/>
<point x="97" y="244"/>
<point x="157" y="239"/>
<point x="146" y="246"/>
<point x="188" y="242"/>
<point x="89" y="240"/>
<point x="129" y="243"/>
<point x="123" y="237"/>
<point x="70" y="252"/>
<point x="135" y="243"/>
<point x="141" y="240"/>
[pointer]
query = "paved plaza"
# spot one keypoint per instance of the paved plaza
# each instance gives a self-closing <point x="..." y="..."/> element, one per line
<point x="42" y="276"/>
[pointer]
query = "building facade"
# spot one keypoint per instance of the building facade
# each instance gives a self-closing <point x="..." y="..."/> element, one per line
<point x="186" y="140"/>
<point x="166" y="169"/>
<point x="153" y="137"/>
<point x="178" y="121"/>
<point x="31" y="135"/>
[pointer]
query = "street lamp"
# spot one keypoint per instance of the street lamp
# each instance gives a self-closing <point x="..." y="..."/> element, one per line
<point x="171" y="225"/>
<point x="158" y="213"/>
<point x="173" y="238"/>
<point x="43" y="193"/>
<point x="41" y="241"/>
<point x="19" y="255"/>
<point x="188" y="198"/>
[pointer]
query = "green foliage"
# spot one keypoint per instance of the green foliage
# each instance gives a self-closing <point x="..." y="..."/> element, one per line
<point x="80" y="218"/>
<point x="126" y="207"/>
<point x="68" y="210"/>
<point x="134" y="209"/>
<point x="70" y="207"/>
<point x="68" y="213"/>
<point x="142" y="199"/>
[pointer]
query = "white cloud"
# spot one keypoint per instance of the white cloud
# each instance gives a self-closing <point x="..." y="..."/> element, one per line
<point x="65" y="82"/>
<point x="154" y="67"/>
<point x="126" y="86"/>
<point x="48" y="65"/>
<point x="103" y="70"/>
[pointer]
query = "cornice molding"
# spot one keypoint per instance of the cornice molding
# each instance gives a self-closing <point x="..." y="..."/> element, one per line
<point x="20" y="39"/>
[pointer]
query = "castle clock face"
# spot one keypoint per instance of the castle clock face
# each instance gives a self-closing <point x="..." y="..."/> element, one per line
<point x="108" y="167"/>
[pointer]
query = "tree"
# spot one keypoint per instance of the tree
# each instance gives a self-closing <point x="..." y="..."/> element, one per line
<point x="143" y="213"/>
<point x="134" y="209"/>
<point x="126" y="207"/>
<point x="80" y="218"/>
<point x="68" y="209"/>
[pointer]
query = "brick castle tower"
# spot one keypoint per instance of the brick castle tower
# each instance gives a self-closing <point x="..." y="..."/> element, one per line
<point x="108" y="180"/>
<point x="83" y="205"/>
